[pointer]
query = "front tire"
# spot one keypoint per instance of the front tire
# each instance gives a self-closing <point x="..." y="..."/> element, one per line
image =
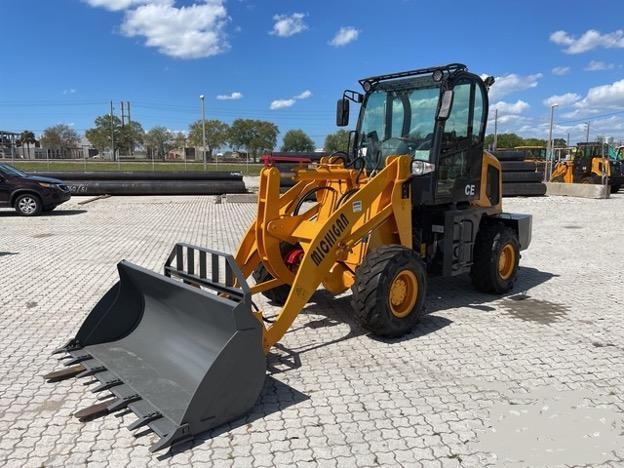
<point x="495" y="260"/>
<point x="276" y="295"/>
<point x="389" y="291"/>
<point x="28" y="204"/>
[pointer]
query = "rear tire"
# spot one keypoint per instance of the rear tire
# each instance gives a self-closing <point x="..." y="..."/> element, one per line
<point x="496" y="257"/>
<point x="276" y="295"/>
<point x="28" y="204"/>
<point x="389" y="291"/>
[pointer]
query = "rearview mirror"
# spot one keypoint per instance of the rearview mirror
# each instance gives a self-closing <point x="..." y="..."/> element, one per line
<point x="342" y="112"/>
<point x="445" y="105"/>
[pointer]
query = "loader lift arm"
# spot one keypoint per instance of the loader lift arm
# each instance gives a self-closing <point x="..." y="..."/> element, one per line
<point x="329" y="235"/>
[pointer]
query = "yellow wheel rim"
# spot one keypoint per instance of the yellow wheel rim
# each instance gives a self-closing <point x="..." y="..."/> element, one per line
<point x="506" y="262"/>
<point x="403" y="293"/>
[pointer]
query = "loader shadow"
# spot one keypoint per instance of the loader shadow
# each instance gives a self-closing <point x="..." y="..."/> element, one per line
<point x="275" y="396"/>
<point x="456" y="292"/>
<point x="338" y="311"/>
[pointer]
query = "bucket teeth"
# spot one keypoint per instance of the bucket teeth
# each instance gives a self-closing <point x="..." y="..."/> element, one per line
<point x="63" y="374"/>
<point x="93" y="411"/>
<point x="144" y="420"/>
<point x="92" y="371"/>
<point x="71" y="345"/>
<point x="121" y="403"/>
<point x="106" y="385"/>
<point x="77" y="359"/>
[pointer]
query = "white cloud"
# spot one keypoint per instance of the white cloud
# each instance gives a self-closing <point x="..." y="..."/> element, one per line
<point x="597" y="65"/>
<point x="288" y="25"/>
<point x="344" y="36"/>
<point x="187" y="32"/>
<point x="562" y="100"/>
<point x="230" y="97"/>
<point x="561" y="71"/>
<point x="116" y="5"/>
<point x="517" y="107"/>
<point x="605" y="96"/>
<point x="511" y="83"/>
<point x="305" y="95"/>
<point x="282" y="103"/>
<point x="589" y="40"/>
<point x="69" y="91"/>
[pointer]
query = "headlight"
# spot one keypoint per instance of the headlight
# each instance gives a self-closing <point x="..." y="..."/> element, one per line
<point x="46" y="185"/>
<point x="422" y="167"/>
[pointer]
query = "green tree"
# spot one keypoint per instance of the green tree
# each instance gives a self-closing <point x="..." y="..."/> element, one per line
<point x="534" y="142"/>
<point x="60" y="138"/>
<point x="504" y="140"/>
<point x="100" y="135"/>
<point x="27" y="138"/>
<point x="126" y="137"/>
<point x="130" y="135"/>
<point x="338" y="141"/>
<point x="216" y="134"/>
<point x="158" y="141"/>
<point x="254" y="136"/>
<point x="297" y="140"/>
<point x="180" y="140"/>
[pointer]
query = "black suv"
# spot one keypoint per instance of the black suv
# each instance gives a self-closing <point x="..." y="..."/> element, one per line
<point x="30" y="194"/>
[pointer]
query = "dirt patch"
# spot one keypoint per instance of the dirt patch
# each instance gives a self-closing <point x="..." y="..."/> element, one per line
<point x="42" y="235"/>
<point x="528" y="309"/>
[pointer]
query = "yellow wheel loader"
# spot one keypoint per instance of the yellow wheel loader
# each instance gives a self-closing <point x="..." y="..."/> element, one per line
<point x="591" y="163"/>
<point x="415" y="195"/>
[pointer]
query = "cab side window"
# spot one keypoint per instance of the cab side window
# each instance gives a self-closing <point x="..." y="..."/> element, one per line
<point x="458" y="124"/>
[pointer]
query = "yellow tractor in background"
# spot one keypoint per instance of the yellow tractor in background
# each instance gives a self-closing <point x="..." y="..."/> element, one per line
<point x="590" y="163"/>
<point x="415" y="195"/>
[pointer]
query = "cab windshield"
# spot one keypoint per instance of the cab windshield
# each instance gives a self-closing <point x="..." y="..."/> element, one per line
<point x="398" y="120"/>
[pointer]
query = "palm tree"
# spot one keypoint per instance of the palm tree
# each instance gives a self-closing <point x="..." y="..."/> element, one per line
<point x="27" y="137"/>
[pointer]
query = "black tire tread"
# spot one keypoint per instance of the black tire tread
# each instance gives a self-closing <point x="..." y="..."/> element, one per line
<point x="30" y="194"/>
<point x="368" y="277"/>
<point x="276" y="295"/>
<point x="482" y="273"/>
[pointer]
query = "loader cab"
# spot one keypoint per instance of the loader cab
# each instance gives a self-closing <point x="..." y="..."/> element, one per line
<point x="437" y="116"/>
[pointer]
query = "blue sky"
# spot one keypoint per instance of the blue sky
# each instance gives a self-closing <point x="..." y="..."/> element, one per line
<point x="288" y="60"/>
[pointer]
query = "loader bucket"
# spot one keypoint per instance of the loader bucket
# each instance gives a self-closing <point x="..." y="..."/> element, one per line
<point x="180" y="356"/>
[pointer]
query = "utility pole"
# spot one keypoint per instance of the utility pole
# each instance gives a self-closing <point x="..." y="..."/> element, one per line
<point x="112" y="129"/>
<point x="550" y="152"/>
<point x="130" y="125"/>
<point x="122" y="114"/>
<point x="495" y="128"/>
<point x="587" y="135"/>
<point x="203" y="113"/>
<point x="568" y="140"/>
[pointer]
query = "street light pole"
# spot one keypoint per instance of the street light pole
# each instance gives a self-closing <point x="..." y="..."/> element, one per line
<point x="203" y="111"/>
<point x="550" y="140"/>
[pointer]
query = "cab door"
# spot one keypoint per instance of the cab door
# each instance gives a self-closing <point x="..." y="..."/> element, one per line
<point x="461" y="143"/>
